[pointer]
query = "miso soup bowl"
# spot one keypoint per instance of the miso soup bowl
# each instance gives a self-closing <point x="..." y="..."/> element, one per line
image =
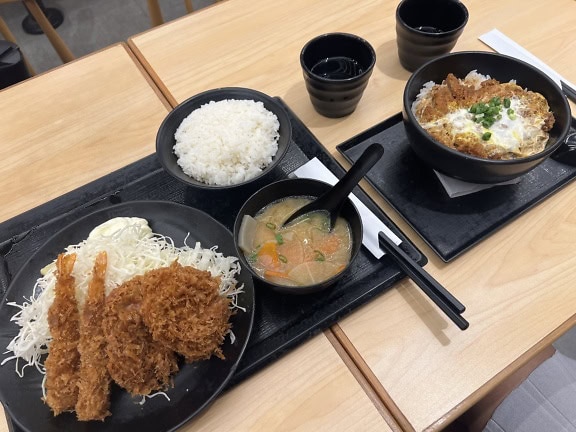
<point x="297" y="188"/>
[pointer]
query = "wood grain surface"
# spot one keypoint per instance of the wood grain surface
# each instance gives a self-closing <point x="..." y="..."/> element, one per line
<point x="517" y="285"/>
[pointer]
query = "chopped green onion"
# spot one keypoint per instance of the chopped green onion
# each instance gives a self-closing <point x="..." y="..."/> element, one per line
<point x="279" y="238"/>
<point x="319" y="256"/>
<point x="282" y="258"/>
<point x="489" y="113"/>
<point x="486" y="136"/>
<point x="493" y="111"/>
<point x="270" y="225"/>
<point x="252" y="258"/>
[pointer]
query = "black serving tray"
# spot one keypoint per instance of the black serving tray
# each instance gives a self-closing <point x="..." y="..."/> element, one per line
<point x="281" y="322"/>
<point x="449" y="225"/>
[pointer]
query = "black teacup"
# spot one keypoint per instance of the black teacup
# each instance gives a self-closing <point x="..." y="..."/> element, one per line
<point x="336" y="69"/>
<point x="426" y="29"/>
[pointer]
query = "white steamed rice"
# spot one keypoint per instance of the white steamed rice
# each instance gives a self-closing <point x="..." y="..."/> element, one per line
<point x="227" y="142"/>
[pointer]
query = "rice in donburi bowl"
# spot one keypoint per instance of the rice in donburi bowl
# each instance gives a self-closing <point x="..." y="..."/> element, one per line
<point x="227" y="142"/>
<point x="223" y="138"/>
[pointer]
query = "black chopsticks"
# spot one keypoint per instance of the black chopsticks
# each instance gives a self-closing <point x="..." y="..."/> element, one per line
<point x="437" y="293"/>
<point x="568" y="91"/>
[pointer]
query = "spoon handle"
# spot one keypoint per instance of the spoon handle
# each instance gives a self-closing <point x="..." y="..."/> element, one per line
<point x="367" y="160"/>
<point x="334" y="198"/>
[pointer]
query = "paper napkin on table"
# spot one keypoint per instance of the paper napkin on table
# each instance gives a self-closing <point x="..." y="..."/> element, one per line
<point x="457" y="188"/>
<point x="314" y="169"/>
<point x="502" y="44"/>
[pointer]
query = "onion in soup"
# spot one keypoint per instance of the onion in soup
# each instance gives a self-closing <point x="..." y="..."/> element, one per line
<point x="305" y="252"/>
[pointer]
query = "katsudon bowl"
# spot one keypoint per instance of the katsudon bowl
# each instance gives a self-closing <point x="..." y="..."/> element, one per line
<point x="278" y="191"/>
<point x="504" y="69"/>
<point x="223" y="146"/>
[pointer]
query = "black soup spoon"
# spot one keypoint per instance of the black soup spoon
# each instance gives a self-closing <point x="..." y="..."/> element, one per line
<point x="333" y="200"/>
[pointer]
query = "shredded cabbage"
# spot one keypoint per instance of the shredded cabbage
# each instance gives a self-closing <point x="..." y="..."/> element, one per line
<point x="133" y="249"/>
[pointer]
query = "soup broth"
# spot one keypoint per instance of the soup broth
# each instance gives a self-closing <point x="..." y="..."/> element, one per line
<point x="305" y="252"/>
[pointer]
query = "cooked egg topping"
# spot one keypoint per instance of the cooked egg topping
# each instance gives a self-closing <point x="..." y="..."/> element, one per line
<point x="493" y="120"/>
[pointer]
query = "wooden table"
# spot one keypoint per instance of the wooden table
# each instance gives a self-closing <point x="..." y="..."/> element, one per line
<point x="85" y="119"/>
<point x="517" y="284"/>
<point x="72" y="125"/>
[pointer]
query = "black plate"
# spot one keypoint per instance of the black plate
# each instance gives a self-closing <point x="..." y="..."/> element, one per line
<point x="195" y="385"/>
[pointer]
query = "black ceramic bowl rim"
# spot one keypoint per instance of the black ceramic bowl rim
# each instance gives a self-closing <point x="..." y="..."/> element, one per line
<point x="365" y="72"/>
<point x="550" y="147"/>
<point x="301" y="289"/>
<point x="435" y="35"/>
<point x="220" y="94"/>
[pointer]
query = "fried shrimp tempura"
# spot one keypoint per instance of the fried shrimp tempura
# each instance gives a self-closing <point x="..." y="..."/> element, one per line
<point x="94" y="380"/>
<point x="184" y="311"/>
<point x="63" y="361"/>
<point x="135" y="361"/>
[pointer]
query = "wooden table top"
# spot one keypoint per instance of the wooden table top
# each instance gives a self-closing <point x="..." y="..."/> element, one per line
<point x="60" y="130"/>
<point x="517" y="285"/>
<point x="99" y="113"/>
<point x="309" y="389"/>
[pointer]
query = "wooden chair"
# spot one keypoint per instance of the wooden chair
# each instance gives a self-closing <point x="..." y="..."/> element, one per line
<point x="156" y="13"/>
<point x="57" y="42"/>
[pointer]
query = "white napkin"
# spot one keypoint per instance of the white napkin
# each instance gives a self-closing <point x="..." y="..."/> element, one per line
<point x="502" y="44"/>
<point x="314" y="169"/>
<point x="457" y="188"/>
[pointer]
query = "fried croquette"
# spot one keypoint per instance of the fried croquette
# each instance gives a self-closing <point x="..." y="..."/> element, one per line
<point x="136" y="362"/>
<point x="94" y="381"/>
<point x="183" y="310"/>
<point x="63" y="362"/>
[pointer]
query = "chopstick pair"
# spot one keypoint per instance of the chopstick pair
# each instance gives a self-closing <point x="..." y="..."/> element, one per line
<point x="436" y="292"/>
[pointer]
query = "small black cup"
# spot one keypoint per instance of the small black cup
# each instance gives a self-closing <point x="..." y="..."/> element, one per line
<point x="336" y="69"/>
<point x="426" y="29"/>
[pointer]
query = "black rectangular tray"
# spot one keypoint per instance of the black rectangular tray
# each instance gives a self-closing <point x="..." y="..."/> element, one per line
<point x="449" y="225"/>
<point x="281" y="321"/>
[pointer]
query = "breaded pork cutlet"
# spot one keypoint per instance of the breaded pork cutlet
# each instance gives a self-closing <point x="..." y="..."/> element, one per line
<point x="183" y="310"/>
<point x="136" y="362"/>
<point x="94" y="381"/>
<point x="63" y="362"/>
